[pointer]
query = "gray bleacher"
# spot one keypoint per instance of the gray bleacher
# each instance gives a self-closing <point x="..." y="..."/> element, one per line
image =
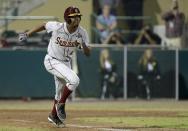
<point x="17" y="7"/>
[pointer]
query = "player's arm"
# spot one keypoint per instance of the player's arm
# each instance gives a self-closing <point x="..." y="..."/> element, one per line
<point x="85" y="42"/>
<point x="24" y="36"/>
<point x="37" y="29"/>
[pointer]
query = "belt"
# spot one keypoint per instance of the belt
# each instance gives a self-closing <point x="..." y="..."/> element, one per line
<point x="59" y="59"/>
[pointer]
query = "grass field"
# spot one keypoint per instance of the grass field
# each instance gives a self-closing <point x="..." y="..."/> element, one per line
<point x="92" y="115"/>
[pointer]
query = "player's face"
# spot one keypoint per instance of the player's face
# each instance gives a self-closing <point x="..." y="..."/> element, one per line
<point x="75" y="21"/>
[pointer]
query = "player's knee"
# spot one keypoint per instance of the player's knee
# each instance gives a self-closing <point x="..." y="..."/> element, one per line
<point x="74" y="83"/>
<point x="57" y="97"/>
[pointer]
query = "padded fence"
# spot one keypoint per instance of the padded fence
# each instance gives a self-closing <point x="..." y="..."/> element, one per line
<point x="22" y="74"/>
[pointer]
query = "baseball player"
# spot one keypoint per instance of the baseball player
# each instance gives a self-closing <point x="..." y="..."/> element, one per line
<point x="66" y="37"/>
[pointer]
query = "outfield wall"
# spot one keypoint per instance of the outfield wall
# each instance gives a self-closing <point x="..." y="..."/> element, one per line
<point x="23" y="74"/>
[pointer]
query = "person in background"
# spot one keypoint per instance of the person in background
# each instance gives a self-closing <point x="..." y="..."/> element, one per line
<point x="112" y="3"/>
<point x="174" y="24"/>
<point x="109" y="75"/>
<point x="106" y="25"/>
<point x="147" y="36"/>
<point x="148" y="71"/>
<point x="3" y="42"/>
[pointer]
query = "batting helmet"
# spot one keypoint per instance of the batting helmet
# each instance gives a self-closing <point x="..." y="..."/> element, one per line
<point x="71" y="12"/>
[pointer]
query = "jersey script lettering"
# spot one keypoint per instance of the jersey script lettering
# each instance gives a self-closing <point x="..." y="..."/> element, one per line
<point x="62" y="42"/>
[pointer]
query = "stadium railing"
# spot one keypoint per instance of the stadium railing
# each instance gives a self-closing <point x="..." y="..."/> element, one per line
<point x="7" y="18"/>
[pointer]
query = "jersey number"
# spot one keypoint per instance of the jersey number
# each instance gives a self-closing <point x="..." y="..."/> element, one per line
<point x="67" y="53"/>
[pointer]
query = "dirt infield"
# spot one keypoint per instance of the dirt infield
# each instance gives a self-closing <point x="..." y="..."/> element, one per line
<point x="37" y="119"/>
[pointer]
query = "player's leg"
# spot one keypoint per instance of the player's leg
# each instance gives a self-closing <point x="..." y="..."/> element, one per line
<point x="62" y="71"/>
<point x="55" y="120"/>
<point x="60" y="83"/>
<point x="58" y="89"/>
<point x="72" y="82"/>
<point x="53" y="115"/>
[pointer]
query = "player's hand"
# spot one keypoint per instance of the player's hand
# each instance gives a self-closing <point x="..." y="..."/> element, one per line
<point x="22" y="37"/>
<point x="87" y="50"/>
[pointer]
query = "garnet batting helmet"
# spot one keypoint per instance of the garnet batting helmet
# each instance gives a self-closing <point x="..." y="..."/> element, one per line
<point x="71" y="12"/>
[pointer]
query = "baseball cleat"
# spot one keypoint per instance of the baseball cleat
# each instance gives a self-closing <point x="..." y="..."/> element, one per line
<point x="60" y="108"/>
<point x="55" y="120"/>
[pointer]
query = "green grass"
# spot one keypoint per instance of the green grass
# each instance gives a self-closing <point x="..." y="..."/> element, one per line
<point x="160" y="122"/>
<point x="179" y="109"/>
<point x="168" y="105"/>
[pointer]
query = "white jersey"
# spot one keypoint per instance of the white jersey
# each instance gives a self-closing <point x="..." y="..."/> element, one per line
<point x="62" y="43"/>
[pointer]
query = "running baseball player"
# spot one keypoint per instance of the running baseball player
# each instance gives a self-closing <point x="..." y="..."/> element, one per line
<point x="66" y="37"/>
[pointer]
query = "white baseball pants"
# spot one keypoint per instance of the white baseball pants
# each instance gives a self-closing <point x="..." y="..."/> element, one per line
<point x="63" y="74"/>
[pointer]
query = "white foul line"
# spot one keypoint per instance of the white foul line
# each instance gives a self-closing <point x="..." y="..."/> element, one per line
<point x="97" y="128"/>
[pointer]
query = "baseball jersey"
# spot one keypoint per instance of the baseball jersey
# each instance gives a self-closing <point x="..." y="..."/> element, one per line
<point x="62" y="43"/>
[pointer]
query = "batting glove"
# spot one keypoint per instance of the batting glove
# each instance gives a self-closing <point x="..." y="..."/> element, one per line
<point x="22" y="37"/>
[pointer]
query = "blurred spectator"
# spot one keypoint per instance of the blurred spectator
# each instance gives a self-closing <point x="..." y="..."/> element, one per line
<point x="15" y="7"/>
<point x="174" y="24"/>
<point x="109" y="75"/>
<point x="3" y="42"/>
<point x="10" y="36"/>
<point x="112" y="3"/>
<point x="147" y="36"/>
<point x="107" y="27"/>
<point x="114" y="38"/>
<point x="148" y="72"/>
